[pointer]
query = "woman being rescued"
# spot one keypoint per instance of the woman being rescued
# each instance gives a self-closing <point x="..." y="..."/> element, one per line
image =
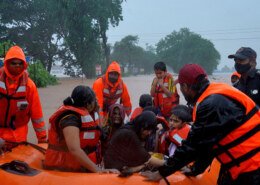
<point x="74" y="135"/>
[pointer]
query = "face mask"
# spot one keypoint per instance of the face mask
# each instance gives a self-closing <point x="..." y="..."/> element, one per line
<point x="242" y="68"/>
<point x="112" y="80"/>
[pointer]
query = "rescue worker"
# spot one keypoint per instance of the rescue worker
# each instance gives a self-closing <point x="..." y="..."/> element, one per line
<point x="235" y="78"/>
<point x="178" y="131"/>
<point x="144" y="101"/>
<point x="226" y="126"/>
<point x="74" y="135"/>
<point x="111" y="89"/>
<point x="163" y="90"/>
<point x="249" y="82"/>
<point x="19" y="100"/>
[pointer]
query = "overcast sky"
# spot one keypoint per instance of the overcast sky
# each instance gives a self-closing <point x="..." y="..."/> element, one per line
<point x="229" y="24"/>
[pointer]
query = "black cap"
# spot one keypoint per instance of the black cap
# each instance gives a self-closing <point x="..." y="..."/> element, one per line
<point x="244" y="53"/>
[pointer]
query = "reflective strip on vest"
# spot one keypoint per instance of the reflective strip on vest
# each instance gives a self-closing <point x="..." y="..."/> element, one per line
<point x="164" y="95"/>
<point x="96" y="116"/>
<point x="86" y="119"/>
<point x="41" y="129"/>
<point x="2" y="85"/>
<point x="119" y="92"/>
<point x="37" y="121"/>
<point x="106" y="91"/>
<point x="177" y="138"/>
<point x="21" y="89"/>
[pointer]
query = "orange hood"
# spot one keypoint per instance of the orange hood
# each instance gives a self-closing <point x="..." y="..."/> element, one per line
<point x="17" y="53"/>
<point x="113" y="67"/>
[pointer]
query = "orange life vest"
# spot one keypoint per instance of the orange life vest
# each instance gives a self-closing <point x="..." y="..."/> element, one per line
<point x="58" y="155"/>
<point x="14" y="111"/>
<point x="174" y="136"/>
<point x="111" y="97"/>
<point x="238" y="152"/>
<point x="164" y="102"/>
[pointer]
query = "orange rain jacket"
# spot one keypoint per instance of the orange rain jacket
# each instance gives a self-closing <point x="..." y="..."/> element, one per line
<point x="19" y="101"/>
<point x="108" y="93"/>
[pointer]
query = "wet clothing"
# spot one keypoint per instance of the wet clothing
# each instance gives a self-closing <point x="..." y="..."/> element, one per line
<point x="108" y="93"/>
<point x="125" y="147"/>
<point x="162" y="101"/>
<point x="19" y="102"/>
<point x="110" y="128"/>
<point x="58" y="155"/>
<point x="251" y="86"/>
<point x="218" y="120"/>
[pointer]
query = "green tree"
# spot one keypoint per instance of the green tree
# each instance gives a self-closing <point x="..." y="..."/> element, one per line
<point x="128" y="53"/>
<point x="185" y="47"/>
<point x="31" y="25"/>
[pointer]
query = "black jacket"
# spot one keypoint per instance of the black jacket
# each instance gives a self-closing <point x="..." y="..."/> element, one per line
<point x="216" y="116"/>
<point x="251" y="86"/>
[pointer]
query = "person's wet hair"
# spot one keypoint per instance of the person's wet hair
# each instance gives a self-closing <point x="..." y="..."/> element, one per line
<point x="146" y="121"/>
<point x="160" y="66"/>
<point x="183" y="112"/>
<point x="152" y="109"/>
<point x="145" y="100"/>
<point x="80" y="96"/>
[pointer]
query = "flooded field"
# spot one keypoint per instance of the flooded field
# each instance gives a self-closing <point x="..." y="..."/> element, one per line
<point x="53" y="96"/>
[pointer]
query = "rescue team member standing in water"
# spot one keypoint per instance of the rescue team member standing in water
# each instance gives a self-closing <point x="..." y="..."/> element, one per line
<point x="111" y="89"/>
<point x="249" y="82"/>
<point x="163" y="90"/>
<point x="226" y="126"/>
<point x="19" y="100"/>
<point x="74" y="134"/>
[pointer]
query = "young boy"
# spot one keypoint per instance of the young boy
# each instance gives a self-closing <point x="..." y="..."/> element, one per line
<point x="179" y="129"/>
<point x="163" y="90"/>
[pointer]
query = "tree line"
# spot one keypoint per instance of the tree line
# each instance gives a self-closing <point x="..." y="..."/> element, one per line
<point x="75" y="33"/>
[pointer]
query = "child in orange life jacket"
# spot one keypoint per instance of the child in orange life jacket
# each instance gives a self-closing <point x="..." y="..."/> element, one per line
<point x="179" y="129"/>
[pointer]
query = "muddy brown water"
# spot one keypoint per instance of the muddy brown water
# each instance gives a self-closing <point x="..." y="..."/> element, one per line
<point x="53" y="96"/>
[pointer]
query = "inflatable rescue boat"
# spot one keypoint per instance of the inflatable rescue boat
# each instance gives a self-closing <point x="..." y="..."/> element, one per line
<point x="23" y="166"/>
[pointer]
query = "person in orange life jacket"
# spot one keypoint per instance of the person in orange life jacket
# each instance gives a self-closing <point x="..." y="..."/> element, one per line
<point x="245" y="64"/>
<point x="116" y="116"/>
<point x="179" y="129"/>
<point x="225" y="126"/>
<point x="125" y="148"/>
<point x="74" y="135"/>
<point x="19" y="100"/>
<point x="163" y="90"/>
<point x="235" y="78"/>
<point x="144" y="101"/>
<point x="111" y="89"/>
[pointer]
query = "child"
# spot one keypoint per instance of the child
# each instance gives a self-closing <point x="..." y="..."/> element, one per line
<point x="179" y="129"/>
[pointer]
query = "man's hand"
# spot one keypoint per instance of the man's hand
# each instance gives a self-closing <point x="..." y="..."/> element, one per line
<point x="151" y="176"/>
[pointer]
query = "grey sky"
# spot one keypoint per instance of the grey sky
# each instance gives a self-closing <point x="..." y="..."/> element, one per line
<point x="229" y="24"/>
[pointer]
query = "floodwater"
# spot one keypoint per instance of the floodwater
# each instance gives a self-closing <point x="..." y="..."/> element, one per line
<point x="53" y="96"/>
